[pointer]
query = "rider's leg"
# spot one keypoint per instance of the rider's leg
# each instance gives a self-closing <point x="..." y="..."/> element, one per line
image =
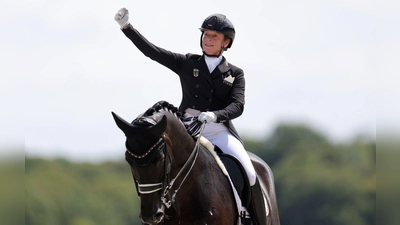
<point x="220" y="136"/>
<point x="257" y="205"/>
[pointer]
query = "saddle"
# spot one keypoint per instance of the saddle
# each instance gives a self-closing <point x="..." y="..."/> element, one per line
<point x="237" y="174"/>
<point x="233" y="166"/>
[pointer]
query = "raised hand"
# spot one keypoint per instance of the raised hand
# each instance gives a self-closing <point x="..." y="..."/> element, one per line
<point x="122" y="17"/>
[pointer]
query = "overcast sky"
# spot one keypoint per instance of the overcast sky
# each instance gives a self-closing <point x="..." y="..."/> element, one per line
<point x="65" y="65"/>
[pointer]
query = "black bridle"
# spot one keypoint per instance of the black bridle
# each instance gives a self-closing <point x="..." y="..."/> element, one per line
<point x="149" y="188"/>
<point x="164" y="185"/>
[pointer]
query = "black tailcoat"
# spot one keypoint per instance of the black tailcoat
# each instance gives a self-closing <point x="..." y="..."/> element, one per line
<point x="221" y="92"/>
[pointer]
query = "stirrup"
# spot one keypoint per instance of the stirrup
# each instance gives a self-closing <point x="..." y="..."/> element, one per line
<point x="245" y="220"/>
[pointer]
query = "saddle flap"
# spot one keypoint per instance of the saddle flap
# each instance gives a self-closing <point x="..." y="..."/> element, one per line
<point x="238" y="177"/>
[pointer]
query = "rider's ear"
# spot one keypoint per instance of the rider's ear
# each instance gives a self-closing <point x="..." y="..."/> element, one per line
<point x="158" y="129"/>
<point x="226" y="42"/>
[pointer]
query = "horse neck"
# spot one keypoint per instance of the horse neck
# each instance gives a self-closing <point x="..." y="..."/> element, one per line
<point x="181" y="143"/>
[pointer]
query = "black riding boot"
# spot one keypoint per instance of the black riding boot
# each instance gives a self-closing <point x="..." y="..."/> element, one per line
<point x="257" y="207"/>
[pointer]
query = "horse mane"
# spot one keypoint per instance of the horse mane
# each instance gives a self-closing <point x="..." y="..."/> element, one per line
<point x="166" y="106"/>
<point x="163" y="105"/>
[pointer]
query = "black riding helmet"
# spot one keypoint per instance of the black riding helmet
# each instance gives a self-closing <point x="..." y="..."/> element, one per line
<point x="219" y="23"/>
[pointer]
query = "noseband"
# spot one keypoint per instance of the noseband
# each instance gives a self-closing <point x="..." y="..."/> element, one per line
<point x="151" y="188"/>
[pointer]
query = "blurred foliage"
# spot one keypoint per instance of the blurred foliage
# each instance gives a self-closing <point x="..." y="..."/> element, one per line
<point x="12" y="201"/>
<point x="317" y="182"/>
<point x="66" y="193"/>
<point x="388" y="195"/>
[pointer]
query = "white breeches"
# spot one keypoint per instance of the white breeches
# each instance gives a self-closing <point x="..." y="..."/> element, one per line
<point x="219" y="135"/>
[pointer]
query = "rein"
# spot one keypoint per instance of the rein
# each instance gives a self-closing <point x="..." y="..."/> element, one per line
<point x="194" y="154"/>
<point x="151" y="188"/>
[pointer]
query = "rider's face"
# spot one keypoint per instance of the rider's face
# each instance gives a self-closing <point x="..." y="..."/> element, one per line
<point x="213" y="41"/>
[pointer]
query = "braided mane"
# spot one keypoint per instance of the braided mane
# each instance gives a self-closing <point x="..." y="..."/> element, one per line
<point x="163" y="105"/>
<point x="191" y="125"/>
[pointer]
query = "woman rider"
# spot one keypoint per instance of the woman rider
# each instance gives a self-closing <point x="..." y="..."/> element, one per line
<point x="212" y="90"/>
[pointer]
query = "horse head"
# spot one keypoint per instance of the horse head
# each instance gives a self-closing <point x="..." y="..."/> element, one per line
<point x="149" y="153"/>
<point x="145" y="154"/>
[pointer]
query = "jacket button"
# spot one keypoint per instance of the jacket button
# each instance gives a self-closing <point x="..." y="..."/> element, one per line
<point x="197" y="85"/>
<point x="193" y="107"/>
<point x="210" y="100"/>
<point x="196" y="96"/>
<point x="212" y="91"/>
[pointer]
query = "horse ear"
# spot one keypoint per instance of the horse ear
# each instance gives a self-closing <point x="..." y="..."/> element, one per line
<point x="158" y="129"/>
<point x="122" y="124"/>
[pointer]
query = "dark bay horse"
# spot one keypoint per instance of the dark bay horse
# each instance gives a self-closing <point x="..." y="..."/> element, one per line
<point x="179" y="183"/>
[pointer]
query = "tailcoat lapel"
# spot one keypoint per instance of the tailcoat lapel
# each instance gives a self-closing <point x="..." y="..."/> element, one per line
<point x="222" y="68"/>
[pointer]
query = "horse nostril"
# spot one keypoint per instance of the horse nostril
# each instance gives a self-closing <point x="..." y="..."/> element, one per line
<point x="158" y="217"/>
<point x="155" y="219"/>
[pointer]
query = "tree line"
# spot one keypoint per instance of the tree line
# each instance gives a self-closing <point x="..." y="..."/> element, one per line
<point x="317" y="182"/>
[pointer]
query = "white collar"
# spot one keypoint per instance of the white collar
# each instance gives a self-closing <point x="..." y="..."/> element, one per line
<point x="212" y="62"/>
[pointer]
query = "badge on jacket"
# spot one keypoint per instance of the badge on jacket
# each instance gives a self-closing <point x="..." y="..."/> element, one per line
<point x="229" y="80"/>
<point x="195" y="72"/>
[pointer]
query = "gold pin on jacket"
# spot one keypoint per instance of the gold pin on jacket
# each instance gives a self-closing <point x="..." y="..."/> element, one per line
<point x="195" y="72"/>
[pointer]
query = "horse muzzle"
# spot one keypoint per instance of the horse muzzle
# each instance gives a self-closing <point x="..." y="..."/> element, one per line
<point x="153" y="218"/>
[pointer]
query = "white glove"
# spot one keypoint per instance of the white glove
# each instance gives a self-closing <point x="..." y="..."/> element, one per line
<point x="122" y="17"/>
<point x="208" y="117"/>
